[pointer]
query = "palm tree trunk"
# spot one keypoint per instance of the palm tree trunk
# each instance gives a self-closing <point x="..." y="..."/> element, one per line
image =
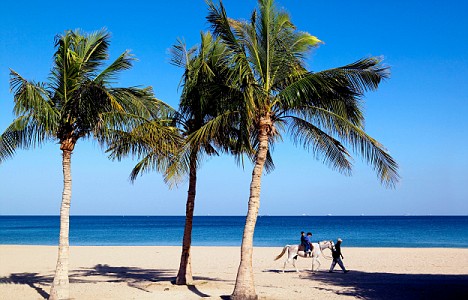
<point x="61" y="286"/>
<point x="245" y="288"/>
<point x="184" y="276"/>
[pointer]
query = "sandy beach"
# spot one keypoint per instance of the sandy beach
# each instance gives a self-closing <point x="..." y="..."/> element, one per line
<point x="148" y="273"/>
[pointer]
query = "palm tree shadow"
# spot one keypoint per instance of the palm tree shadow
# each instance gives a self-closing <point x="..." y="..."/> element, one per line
<point x="367" y="285"/>
<point x="126" y="274"/>
<point x="141" y="278"/>
<point x="30" y="279"/>
<point x="134" y="277"/>
<point x="279" y="271"/>
<point x="197" y="292"/>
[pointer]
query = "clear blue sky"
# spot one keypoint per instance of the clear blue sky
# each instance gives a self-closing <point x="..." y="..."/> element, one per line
<point x="420" y="114"/>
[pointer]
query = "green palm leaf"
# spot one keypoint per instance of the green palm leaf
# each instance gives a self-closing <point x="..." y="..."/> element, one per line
<point x="322" y="144"/>
<point x="370" y="149"/>
<point x="109" y="74"/>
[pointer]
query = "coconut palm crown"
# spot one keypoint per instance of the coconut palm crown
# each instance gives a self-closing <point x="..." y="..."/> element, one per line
<point x="77" y="102"/>
<point x="277" y="95"/>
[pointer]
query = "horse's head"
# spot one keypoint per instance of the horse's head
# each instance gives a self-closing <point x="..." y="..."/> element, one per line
<point x="329" y="244"/>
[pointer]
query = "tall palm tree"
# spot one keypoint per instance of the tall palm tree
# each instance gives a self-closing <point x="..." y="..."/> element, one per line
<point x="77" y="102"/>
<point x="200" y="112"/>
<point x="196" y="112"/>
<point x="319" y="110"/>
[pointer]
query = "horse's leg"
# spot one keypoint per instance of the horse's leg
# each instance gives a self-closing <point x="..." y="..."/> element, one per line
<point x="313" y="261"/>
<point x="319" y="264"/>
<point x="286" y="261"/>
<point x="294" y="263"/>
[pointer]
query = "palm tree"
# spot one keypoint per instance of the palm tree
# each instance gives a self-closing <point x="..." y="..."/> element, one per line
<point x="77" y="102"/>
<point x="320" y="110"/>
<point x="196" y="110"/>
<point x="202" y="125"/>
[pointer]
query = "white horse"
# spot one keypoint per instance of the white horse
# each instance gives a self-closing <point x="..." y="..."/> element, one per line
<point x="295" y="251"/>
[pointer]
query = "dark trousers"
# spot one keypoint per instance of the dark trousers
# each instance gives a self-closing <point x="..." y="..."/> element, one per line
<point x="339" y="262"/>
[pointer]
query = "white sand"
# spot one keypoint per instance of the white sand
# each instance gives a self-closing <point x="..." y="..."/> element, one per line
<point x="148" y="272"/>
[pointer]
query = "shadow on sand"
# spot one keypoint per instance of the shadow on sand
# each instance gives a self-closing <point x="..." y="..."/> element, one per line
<point x="364" y="285"/>
<point x="30" y="279"/>
<point x="134" y="277"/>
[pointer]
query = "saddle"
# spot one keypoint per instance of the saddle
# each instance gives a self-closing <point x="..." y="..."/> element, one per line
<point x="302" y="248"/>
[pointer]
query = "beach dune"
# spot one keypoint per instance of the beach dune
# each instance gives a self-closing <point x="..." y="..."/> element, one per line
<point x="145" y="272"/>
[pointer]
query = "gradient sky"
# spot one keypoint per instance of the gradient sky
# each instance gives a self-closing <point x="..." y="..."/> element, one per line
<point x="420" y="114"/>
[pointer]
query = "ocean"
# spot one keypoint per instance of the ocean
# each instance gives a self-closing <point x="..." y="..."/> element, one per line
<point x="271" y="231"/>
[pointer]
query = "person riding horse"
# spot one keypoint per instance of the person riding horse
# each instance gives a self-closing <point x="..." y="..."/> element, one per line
<point x="306" y="242"/>
<point x="296" y="251"/>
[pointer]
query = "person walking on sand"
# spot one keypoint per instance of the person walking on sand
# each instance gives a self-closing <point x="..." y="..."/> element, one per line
<point x="337" y="256"/>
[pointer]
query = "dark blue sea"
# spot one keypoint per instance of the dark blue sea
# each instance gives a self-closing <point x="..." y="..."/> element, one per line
<point x="356" y="231"/>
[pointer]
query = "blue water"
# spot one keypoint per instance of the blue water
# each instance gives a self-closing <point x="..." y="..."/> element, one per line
<point x="356" y="231"/>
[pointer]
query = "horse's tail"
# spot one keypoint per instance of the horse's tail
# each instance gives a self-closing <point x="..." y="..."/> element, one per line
<point x="282" y="252"/>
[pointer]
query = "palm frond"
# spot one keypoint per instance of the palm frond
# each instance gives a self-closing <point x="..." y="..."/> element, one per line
<point x="338" y="90"/>
<point x="212" y="130"/>
<point x="92" y="50"/>
<point x="33" y="99"/>
<point x="221" y="26"/>
<point x="180" y="55"/>
<point x="8" y="146"/>
<point x="367" y="147"/>
<point x="153" y="162"/>
<point x="148" y="136"/>
<point x="137" y="101"/>
<point x="363" y="75"/>
<point x="322" y="145"/>
<point x="179" y="167"/>
<point x="109" y="74"/>
<point x="23" y="133"/>
<point x="158" y="146"/>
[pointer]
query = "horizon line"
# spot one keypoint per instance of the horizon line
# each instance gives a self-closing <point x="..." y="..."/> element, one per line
<point x="263" y="215"/>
